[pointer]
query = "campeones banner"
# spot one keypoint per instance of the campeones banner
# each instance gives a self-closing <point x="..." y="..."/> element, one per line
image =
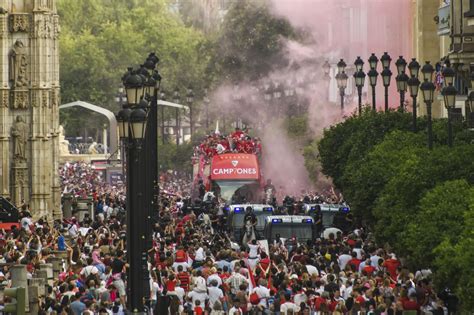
<point x="234" y="167"/>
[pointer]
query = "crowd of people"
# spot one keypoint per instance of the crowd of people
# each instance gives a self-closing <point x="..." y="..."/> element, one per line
<point x="239" y="141"/>
<point x="197" y="270"/>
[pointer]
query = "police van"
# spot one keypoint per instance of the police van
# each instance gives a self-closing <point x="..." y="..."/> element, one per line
<point x="236" y="214"/>
<point x="332" y="215"/>
<point x="299" y="227"/>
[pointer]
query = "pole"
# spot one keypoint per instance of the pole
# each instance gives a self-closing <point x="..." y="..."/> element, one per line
<point x="386" y="98"/>
<point x="414" y="114"/>
<point x="359" y="91"/>
<point x="402" y="101"/>
<point x="177" y="126"/>
<point x="162" y="124"/>
<point x="374" y="106"/>
<point x="450" y="129"/>
<point x="342" y="98"/>
<point x="191" y="122"/>
<point x="430" y="127"/>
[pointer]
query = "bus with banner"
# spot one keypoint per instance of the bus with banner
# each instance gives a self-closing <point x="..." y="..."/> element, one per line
<point x="234" y="177"/>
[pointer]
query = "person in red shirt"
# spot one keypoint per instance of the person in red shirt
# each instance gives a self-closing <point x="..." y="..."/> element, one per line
<point x="410" y="303"/>
<point x="392" y="265"/>
<point x="354" y="262"/>
<point x="237" y="133"/>
<point x="171" y="284"/>
<point x="183" y="278"/>
<point x="368" y="268"/>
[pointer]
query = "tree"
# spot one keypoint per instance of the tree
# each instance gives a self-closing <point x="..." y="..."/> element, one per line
<point x="453" y="261"/>
<point x="250" y="42"/>
<point x="364" y="179"/>
<point x="398" y="202"/>
<point x="441" y="216"/>
<point x="352" y="139"/>
<point x="101" y="38"/>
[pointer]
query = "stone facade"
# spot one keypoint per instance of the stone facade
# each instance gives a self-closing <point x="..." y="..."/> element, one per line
<point x="29" y="101"/>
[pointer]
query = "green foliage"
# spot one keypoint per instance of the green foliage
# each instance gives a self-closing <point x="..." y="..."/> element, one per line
<point x="364" y="179"/>
<point x="297" y="126"/>
<point x="441" y="216"/>
<point x="250" y="42"/>
<point x="353" y="138"/>
<point x="173" y="157"/>
<point x="311" y="160"/>
<point x="453" y="262"/>
<point x="398" y="203"/>
<point x="101" y="38"/>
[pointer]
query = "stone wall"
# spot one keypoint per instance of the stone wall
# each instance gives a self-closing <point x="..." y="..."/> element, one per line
<point x="29" y="100"/>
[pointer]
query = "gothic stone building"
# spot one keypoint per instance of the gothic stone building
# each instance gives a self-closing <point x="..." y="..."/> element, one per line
<point x="29" y="101"/>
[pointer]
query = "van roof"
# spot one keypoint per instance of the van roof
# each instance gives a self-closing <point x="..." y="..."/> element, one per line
<point x="289" y="218"/>
<point x="326" y="207"/>
<point x="255" y="207"/>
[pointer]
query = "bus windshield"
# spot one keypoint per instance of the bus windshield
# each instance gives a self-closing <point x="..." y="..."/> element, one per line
<point x="235" y="192"/>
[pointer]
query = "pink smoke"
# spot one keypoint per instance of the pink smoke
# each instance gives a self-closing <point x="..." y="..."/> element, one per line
<point x="339" y="29"/>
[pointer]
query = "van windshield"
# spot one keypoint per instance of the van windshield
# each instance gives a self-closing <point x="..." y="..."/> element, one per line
<point x="300" y="231"/>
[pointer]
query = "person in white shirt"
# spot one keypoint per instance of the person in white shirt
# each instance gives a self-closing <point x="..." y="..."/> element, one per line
<point x="253" y="254"/>
<point x="199" y="283"/>
<point x="215" y="294"/>
<point x="197" y="296"/>
<point x="235" y="310"/>
<point x="344" y="259"/>
<point x="289" y="306"/>
<point x="214" y="277"/>
<point x="263" y="293"/>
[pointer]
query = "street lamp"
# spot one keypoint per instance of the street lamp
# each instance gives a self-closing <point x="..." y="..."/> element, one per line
<point x="448" y="75"/>
<point x="373" y="82"/>
<point x="427" y="72"/>
<point x="386" y="76"/>
<point x="373" y="60"/>
<point x="341" y="66"/>
<point x="189" y="101"/>
<point x="414" y="68"/>
<point x="120" y="97"/>
<point x="449" y="93"/>
<point x="386" y="60"/>
<point x="427" y="88"/>
<point x="359" y="77"/>
<point x="413" y="85"/>
<point x="136" y="132"/>
<point x="402" y="80"/>
<point x="401" y="65"/>
<point x="341" y="79"/>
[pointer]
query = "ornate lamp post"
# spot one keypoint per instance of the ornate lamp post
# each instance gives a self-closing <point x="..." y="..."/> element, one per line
<point x="427" y="88"/>
<point x="402" y="80"/>
<point x="138" y="133"/>
<point x="449" y="93"/>
<point x="413" y="85"/>
<point x="341" y="79"/>
<point x="427" y="71"/>
<point x="359" y="82"/>
<point x="373" y="60"/>
<point x="414" y="68"/>
<point x="386" y="75"/>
